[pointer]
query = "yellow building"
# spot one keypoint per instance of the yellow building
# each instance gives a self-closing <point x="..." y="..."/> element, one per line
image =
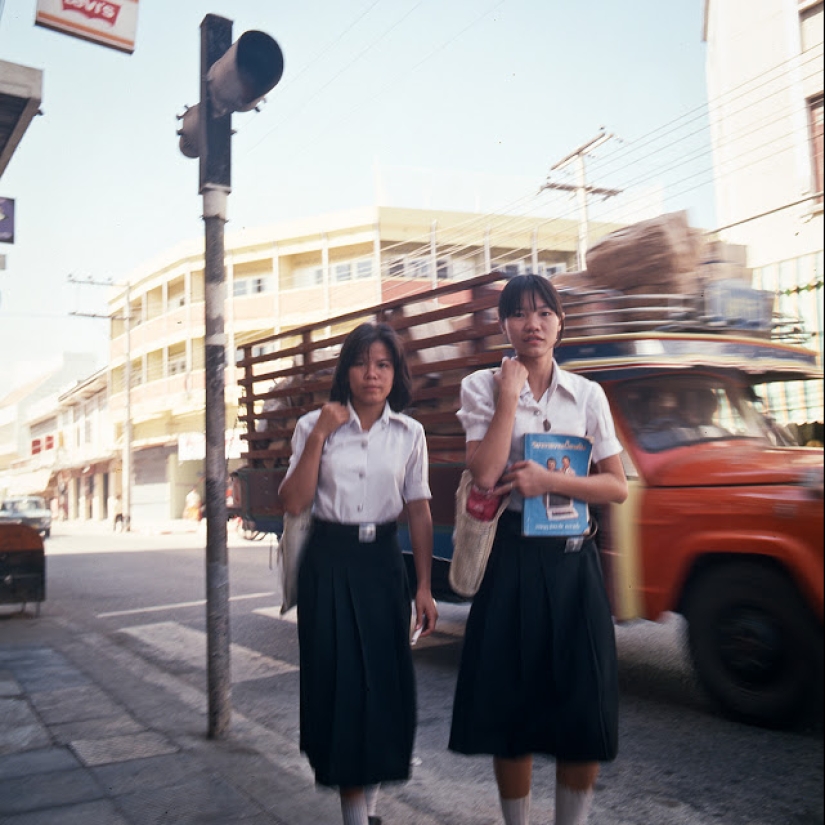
<point x="279" y="277"/>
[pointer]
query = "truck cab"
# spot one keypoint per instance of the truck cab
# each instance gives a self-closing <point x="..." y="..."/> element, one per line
<point x="724" y="520"/>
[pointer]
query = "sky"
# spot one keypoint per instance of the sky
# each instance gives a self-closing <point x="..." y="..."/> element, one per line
<point x="461" y="104"/>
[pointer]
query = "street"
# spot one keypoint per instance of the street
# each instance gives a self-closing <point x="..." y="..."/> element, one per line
<point x="141" y="598"/>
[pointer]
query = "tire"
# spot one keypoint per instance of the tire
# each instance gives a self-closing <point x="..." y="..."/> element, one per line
<point x="47" y="532"/>
<point x="754" y="644"/>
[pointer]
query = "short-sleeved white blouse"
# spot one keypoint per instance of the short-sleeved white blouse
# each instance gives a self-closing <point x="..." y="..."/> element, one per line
<point x="365" y="477"/>
<point x="572" y="404"/>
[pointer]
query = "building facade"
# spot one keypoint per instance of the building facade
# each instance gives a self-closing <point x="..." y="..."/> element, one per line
<point x="29" y="429"/>
<point x="765" y="93"/>
<point x="277" y="278"/>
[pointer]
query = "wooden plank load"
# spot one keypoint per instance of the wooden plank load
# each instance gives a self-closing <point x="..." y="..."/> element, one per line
<point x="641" y="277"/>
<point x="657" y="255"/>
<point x="447" y="332"/>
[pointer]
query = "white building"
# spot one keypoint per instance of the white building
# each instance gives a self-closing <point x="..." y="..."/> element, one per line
<point x="28" y="426"/>
<point x="765" y="93"/>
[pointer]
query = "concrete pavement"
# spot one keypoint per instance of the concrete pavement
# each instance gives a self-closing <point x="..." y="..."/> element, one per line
<point x="92" y="734"/>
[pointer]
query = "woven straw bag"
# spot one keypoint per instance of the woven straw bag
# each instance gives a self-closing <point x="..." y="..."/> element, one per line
<point x="472" y="541"/>
<point x="290" y="552"/>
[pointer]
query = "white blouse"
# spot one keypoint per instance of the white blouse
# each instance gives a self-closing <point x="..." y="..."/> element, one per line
<point x="365" y="477"/>
<point x="572" y="404"/>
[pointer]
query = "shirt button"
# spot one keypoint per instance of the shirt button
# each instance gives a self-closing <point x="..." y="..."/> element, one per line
<point x="360" y="507"/>
<point x="361" y="474"/>
<point x="364" y="444"/>
<point x="537" y="412"/>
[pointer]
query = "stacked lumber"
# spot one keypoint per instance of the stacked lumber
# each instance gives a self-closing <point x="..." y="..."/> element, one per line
<point x="660" y="255"/>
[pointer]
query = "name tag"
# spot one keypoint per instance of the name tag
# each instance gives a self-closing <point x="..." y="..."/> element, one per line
<point x="366" y="533"/>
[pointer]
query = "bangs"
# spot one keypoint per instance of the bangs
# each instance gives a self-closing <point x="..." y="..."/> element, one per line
<point x="529" y="290"/>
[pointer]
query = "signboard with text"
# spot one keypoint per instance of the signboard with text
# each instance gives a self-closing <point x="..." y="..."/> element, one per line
<point x="110" y="23"/>
<point x="6" y="221"/>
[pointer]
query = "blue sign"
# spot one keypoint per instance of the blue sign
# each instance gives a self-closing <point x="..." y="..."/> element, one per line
<point x="6" y="220"/>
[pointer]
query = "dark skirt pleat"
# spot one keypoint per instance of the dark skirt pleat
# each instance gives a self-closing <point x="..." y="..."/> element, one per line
<point x="357" y="679"/>
<point x="538" y="670"/>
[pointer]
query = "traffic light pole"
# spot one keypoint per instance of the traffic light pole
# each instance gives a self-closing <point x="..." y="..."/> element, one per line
<point x="216" y="38"/>
<point x="234" y="77"/>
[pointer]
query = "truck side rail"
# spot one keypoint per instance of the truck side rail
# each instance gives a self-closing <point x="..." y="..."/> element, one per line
<point x="447" y="332"/>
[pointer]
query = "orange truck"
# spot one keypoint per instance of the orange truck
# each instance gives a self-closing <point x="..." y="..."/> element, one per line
<point x="724" y="520"/>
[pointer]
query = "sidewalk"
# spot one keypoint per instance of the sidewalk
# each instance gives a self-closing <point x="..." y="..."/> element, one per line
<point x="91" y="734"/>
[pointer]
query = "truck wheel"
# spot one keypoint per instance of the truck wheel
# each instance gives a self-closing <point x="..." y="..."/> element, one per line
<point x="754" y="644"/>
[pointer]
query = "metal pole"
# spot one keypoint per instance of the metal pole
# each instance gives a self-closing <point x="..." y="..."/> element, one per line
<point x="216" y="38"/>
<point x="126" y="471"/>
<point x="581" y="194"/>
<point x="217" y="571"/>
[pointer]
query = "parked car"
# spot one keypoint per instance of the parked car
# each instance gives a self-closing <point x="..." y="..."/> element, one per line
<point x="31" y="510"/>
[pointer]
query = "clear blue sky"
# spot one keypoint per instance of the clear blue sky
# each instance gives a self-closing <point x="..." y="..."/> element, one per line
<point x="500" y="88"/>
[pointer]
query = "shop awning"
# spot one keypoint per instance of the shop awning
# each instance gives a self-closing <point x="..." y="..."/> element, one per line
<point x="29" y="483"/>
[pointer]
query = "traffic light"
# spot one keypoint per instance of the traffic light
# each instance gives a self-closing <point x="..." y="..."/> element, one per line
<point x="235" y="77"/>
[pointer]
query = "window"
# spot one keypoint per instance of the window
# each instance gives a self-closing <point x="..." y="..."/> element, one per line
<point x="239" y="287"/>
<point x="343" y="272"/>
<point x="259" y="285"/>
<point x="810" y="24"/>
<point x="177" y="364"/>
<point x="307" y="276"/>
<point x="363" y="269"/>
<point x="36" y="446"/>
<point x="815" y="131"/>
<point x="49" y="442"/>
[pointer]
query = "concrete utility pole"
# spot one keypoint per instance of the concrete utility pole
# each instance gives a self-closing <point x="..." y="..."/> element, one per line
<point x="581" y="189"/>
<point x="234" y="77"/>
<point x="126" y="447"/>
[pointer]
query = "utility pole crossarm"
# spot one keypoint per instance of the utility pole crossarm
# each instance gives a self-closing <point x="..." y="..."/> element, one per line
<point x="126" y="459"/>
<point x="581" y="189"/>
<point x="591" y="190"/>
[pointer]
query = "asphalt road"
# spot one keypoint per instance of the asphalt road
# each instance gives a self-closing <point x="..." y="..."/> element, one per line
<point x="680" y="763"/>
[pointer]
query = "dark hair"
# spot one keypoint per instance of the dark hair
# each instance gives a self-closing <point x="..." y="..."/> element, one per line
<point x="355" y="345"/>
<point x="534" y="286"/>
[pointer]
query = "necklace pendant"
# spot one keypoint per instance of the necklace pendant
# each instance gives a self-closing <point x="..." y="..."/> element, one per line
<point x="546" y="425"/>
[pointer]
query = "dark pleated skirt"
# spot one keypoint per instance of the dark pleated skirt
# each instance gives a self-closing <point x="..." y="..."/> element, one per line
<point x="538" y="669"/>
<point x="357" y="680"/>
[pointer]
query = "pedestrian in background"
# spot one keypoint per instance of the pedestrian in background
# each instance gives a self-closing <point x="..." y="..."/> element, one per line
<point x="358" y="461"/>
<point x="538" y="671"/>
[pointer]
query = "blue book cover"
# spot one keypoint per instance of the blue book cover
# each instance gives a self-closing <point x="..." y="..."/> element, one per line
<point x="552" y="514"/>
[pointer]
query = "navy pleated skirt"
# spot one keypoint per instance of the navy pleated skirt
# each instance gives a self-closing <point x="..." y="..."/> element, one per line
<point x="358" y="705"/>
<point x="538" y="669"/>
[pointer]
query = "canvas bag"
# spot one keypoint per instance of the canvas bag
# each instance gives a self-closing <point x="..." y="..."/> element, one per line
<point x="472" y="541"/>
<point x="289" y="554"/>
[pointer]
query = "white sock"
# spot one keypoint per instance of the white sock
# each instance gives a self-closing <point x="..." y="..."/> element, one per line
<point x="572" y="807"/>
<point x="516" y="811"/>
<point x="371" y="795"/>
<point x="354" y="810"/>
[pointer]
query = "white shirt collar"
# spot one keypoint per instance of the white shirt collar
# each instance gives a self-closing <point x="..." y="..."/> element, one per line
<point x="561" y="380"/>
<point x="383" y="419"/>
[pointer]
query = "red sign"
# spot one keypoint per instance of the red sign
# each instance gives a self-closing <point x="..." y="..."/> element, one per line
<point x="94" y="9"/>
<point x="106" y="22"/>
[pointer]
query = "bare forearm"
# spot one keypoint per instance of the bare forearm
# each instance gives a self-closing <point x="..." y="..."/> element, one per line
<point x="421" y="538"/>
<point x="488" y="459"/>
<point x="297" y="492"/>
<point x="602" y="488"/>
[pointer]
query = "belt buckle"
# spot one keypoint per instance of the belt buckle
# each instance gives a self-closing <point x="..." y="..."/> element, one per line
<point x="573" y="545"/>
<point x="366" y="533"/>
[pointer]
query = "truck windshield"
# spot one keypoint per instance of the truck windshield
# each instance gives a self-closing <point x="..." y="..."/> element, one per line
<point x="670" y="411"/>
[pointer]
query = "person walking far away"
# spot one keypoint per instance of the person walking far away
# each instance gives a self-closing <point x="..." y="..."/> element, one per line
<point x="357" y="462"/>
<point x="538" y="671"/>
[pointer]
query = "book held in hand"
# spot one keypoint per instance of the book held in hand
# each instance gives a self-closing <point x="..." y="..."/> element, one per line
<point x="552" y="514"/>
